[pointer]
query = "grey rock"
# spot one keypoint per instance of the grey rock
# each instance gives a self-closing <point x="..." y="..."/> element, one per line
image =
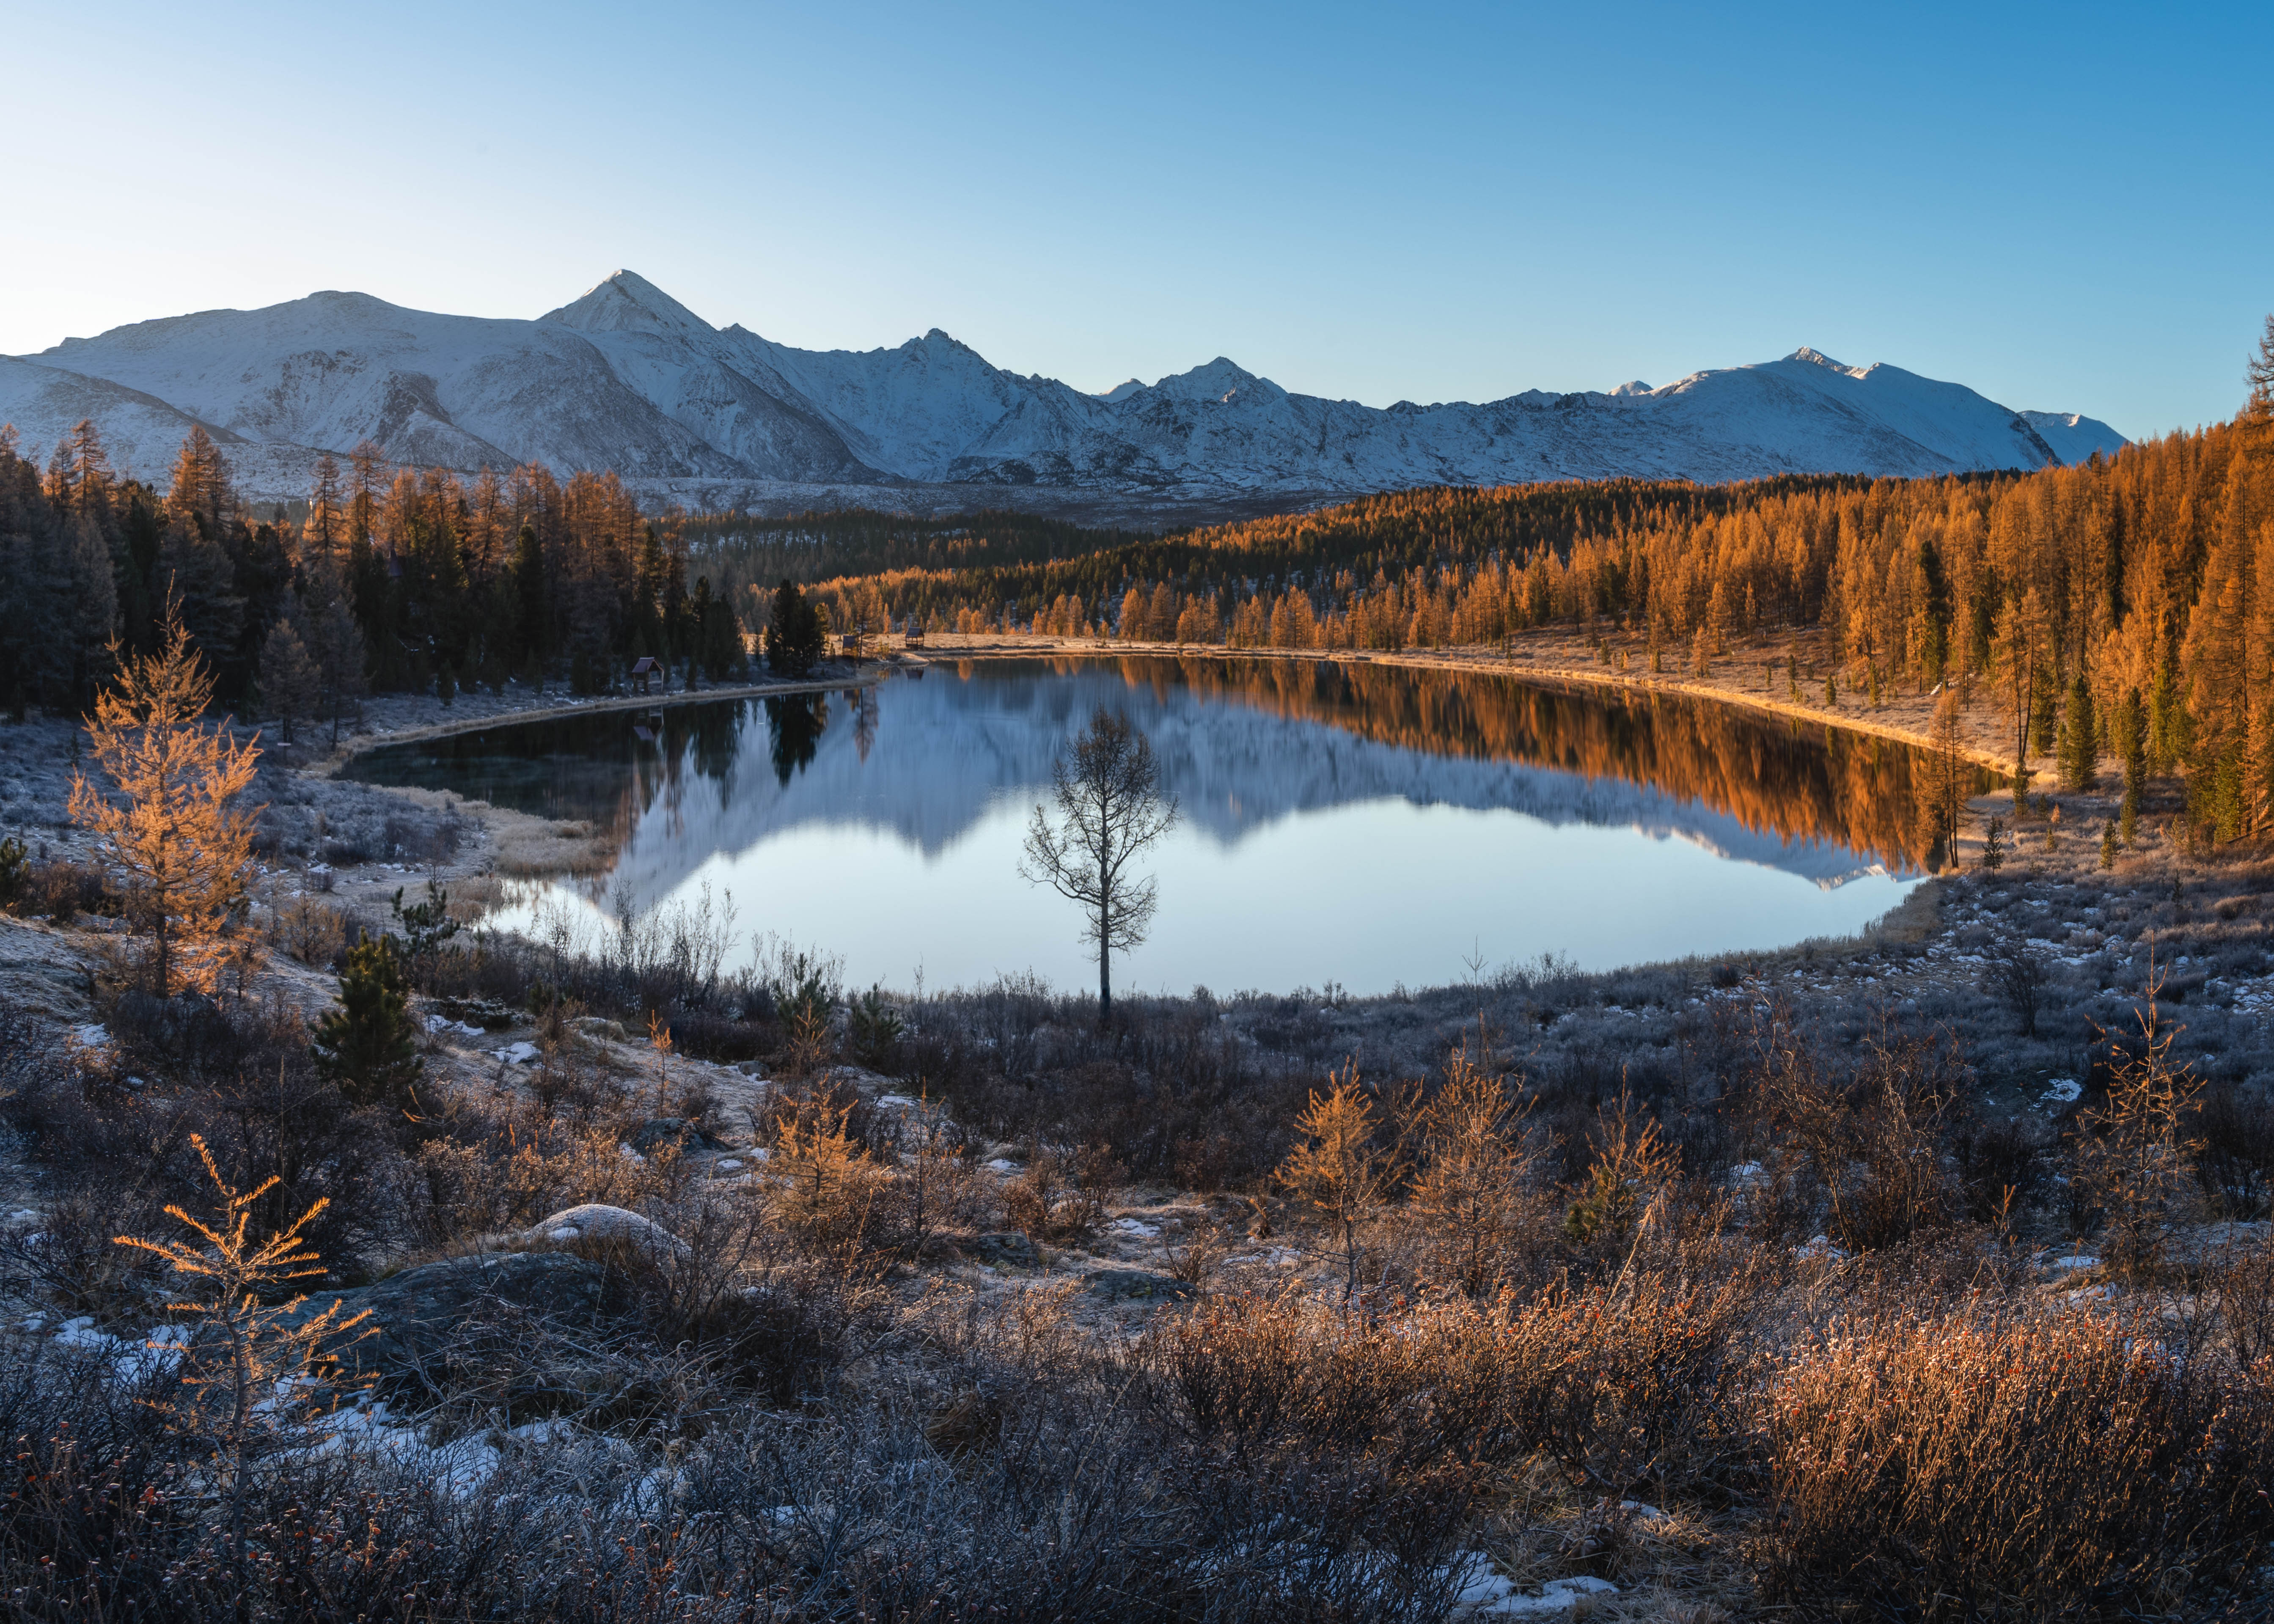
<point x="612" y="1231"/>
<point x="1137" y="1285"/>
<point x="1006" y="1246"/>
<point x="659" y="1130"/>
<point x="434" y="1327"/>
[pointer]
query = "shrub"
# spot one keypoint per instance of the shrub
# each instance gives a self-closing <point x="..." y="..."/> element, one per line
<point x="2019" y="1463"/>
<point x="311" y="931"/>
<point x="367" y="1044"/>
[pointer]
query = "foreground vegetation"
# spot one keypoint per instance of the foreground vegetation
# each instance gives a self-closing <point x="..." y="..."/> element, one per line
<point x="1923" y="1276"/>
<point x="1927" y="1275"/>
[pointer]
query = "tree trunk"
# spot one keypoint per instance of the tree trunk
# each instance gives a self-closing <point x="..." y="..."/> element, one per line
<point x="1104" y="968"/>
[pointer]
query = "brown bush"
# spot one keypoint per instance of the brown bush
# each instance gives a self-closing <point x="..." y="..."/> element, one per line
<point x="2014" y="1462"/>
<point x="1061" y="1197"/>
<point x="62" y="889"/>
<point x="310" y="930"/>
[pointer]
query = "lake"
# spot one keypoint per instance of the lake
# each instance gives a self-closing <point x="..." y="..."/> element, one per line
<point x="1343" y="823"/>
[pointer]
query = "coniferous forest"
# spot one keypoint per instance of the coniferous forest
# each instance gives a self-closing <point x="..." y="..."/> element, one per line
<point x="391" y="579"/>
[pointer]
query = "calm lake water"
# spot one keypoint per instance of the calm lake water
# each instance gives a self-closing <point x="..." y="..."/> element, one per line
<point x="1341" y="822"/>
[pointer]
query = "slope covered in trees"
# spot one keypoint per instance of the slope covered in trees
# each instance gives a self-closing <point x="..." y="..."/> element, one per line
<point x="395" y="579"/>
<point x="2123" y="605"/>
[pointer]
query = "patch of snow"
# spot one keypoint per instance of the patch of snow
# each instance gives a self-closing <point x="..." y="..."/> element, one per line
<point x="1491" y="1595"/>
<point x="523" y="1053"/>
<point x="2062" y="1090"/>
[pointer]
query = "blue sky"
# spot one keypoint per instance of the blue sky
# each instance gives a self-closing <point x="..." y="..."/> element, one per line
<point x="2067" y="207"/>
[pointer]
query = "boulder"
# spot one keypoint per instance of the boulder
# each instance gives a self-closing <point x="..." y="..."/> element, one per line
<point x="1007" y="1247"/>
<point x="1137" y="1285"/>
<point x="434" y="1327"/>
<point x="657" y="1132"/>
<point x="594" y="1226"/>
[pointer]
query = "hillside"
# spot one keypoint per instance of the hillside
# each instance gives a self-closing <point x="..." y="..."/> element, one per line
<point x="627" y="379"/>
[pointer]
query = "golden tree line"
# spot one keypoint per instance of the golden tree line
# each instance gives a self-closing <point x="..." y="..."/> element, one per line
<point x="2124" y="605"/>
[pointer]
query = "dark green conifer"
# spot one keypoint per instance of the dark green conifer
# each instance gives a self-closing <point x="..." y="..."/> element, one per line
<point x="367" y="1045"/>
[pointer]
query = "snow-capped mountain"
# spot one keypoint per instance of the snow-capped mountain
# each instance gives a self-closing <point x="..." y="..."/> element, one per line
<point x="627" y="379"/>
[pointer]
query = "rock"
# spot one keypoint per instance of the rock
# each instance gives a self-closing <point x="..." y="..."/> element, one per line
<point x="594" y="1226"/>
<point x="487" y="1014"/>
<point x="1137" y="1285"/>
<point x="433" y="1325"/>
<point x="1005" y="1246"/>
<point x="657" y="1132"/>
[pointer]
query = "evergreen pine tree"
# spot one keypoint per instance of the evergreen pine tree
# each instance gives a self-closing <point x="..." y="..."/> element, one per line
<point x="368" y="1045"/>
<point x="290" y="685"/>
<point x="2080" y="739"/>
<point x="2132" y="742"/>
<point x="794" y="637"/>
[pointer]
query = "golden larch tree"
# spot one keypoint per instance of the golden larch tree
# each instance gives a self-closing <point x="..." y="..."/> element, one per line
<point x="169" y="820"/>
<point x="1337" y="1168"/>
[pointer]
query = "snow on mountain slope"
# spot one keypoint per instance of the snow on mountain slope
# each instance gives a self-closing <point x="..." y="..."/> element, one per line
<point x="705" y="382"/>
<point x="455" y="391"/>
<point x="45" y="403"/>
<point x="627" y="377"/>
<point x="2073" y="437"/>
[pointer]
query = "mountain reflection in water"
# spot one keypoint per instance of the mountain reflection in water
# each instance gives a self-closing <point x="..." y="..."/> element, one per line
<point x="1258" y="752"/>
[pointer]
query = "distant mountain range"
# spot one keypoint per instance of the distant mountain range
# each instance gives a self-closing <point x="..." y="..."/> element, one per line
<point x="627" y="379"/>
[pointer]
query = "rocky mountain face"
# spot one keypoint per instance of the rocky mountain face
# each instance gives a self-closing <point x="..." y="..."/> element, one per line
<point x="627" y="379"/>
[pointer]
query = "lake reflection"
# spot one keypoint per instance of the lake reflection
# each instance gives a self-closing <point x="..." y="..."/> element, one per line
<point x="1358" y="823"/>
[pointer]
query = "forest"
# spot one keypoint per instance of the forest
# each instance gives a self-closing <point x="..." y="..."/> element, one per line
<point x="393" y="579"/>
<point x="2114" y="607"/>
<point x="2120" y="607"/>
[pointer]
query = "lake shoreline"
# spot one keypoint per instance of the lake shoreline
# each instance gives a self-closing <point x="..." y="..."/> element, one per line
<point x="1480" y="660"/>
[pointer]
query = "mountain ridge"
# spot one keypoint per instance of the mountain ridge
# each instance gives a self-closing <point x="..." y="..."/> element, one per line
<point x="627" y="379"/>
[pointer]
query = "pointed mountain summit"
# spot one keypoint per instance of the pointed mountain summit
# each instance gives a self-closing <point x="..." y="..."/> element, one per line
<point x="1223" y="381"/>
<point x="626" y="378"/>
<point x="628" y="303"/>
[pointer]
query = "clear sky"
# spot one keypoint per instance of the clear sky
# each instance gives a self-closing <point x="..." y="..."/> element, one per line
<point x="2066" y="206"/>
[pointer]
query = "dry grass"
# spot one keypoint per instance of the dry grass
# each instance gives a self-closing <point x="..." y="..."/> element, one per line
<point x="526" y="847"/>
<point x="2005" y="1461"/>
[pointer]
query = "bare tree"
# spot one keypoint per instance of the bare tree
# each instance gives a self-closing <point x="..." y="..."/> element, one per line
<point x="1110" y="809"/>
<point x="2260" y="374"/>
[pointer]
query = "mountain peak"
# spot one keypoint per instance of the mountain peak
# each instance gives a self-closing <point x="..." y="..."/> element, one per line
<point x="1221" y="380"/>
<point x="1816" y="357"/>
<point x="628" y="303"/>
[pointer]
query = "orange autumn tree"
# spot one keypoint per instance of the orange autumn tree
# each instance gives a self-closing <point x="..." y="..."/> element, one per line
<point x="168" y="819"/>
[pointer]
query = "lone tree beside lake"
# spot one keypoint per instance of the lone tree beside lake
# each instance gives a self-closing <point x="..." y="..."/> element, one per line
<point x="1110" y="809"/>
